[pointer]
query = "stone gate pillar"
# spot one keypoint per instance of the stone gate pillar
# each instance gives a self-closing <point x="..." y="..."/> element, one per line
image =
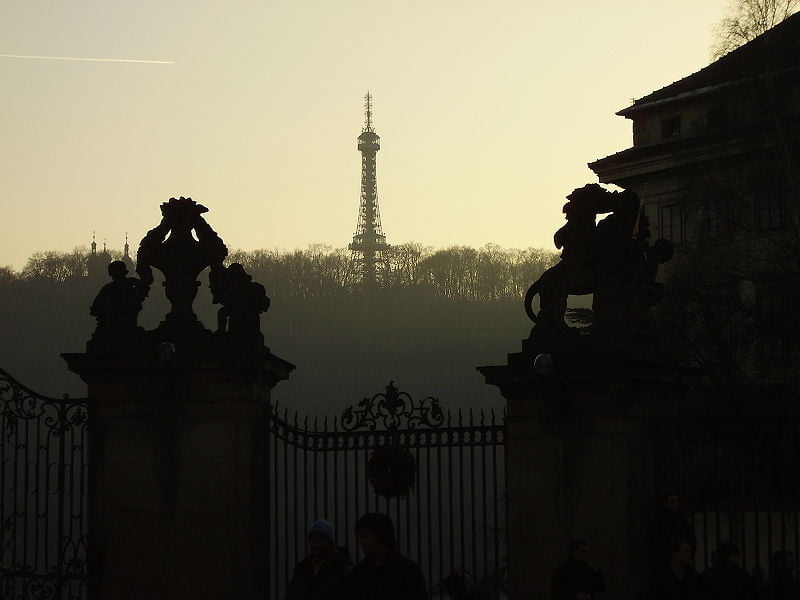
<point x="178" y="476"/>
<point x="177" y="424"/>
<point x="579" y="456"/>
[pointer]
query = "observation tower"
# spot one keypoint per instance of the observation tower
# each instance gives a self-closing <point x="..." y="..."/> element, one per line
<point x="369" y="243"/>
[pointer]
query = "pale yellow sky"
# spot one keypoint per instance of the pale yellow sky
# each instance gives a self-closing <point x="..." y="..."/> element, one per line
<point x="488" y="113"/>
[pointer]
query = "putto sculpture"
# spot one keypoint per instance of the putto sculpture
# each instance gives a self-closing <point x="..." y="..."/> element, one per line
<point x="611" y="259"/>
<point x="242" y="300"/>
<point x="181" y="246"/>
<point x="116" y="307"/>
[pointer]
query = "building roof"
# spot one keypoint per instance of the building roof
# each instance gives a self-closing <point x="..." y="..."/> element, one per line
<point x="778" y="48"/>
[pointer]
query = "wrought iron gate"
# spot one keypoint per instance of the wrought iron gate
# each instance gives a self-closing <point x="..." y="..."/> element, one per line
<point x="452" y="522"/>
<point x="43" y="494"/>
<point x="737" y="480"/>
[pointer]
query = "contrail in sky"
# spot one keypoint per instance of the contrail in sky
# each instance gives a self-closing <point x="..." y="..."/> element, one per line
<point x="116" y="60"/>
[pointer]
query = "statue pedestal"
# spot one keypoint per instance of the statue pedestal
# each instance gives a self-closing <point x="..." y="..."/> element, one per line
<point x="178" y="481"/>
<point x="579" y="461"/>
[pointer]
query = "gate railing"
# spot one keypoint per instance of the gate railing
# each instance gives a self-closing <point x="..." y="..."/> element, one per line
<point x="43" y="494"/>
<point x="451" y="523"/>
<point x="737" y="480"/>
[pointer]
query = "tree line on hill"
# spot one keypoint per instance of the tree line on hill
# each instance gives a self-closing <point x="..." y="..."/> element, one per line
<point x="484" y="274"/>
<point x="436" y="315"/>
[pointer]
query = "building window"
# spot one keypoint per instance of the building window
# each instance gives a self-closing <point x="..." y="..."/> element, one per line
<point x="769" y="214"/>
<point x="713" y="227"/>
<point x="772" y="308"/>
<point x="640" y="133"/>
<point x="717" y="219"/>
<point x="772" y="311"/>
<point x="717" y="117"/>
<point x="670" y="128"/>
<point x="672" y="223"/>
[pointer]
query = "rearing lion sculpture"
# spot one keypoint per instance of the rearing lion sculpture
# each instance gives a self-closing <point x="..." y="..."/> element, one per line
<point x="611" y="258"/>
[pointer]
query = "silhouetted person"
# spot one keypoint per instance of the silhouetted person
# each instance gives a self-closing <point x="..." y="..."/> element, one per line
<point x="728" y="580"/>
<point x="459" y="585"/>
<point x="578" y="578"/>
<point x="781" y="583"/>
<point x="670" y="524"/>
<point x="324" y="573"/>
<point x="384" y="574"/>
<point x="118" y="303"/>
<point x="676" y="578"/>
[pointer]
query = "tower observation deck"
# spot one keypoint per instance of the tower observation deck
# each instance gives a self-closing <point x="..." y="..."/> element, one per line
<point x="369" y="242"/>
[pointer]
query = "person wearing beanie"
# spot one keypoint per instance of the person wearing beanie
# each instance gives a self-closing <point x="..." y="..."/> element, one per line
<point x="384" y="574"/>
<point x="324" y="573"/>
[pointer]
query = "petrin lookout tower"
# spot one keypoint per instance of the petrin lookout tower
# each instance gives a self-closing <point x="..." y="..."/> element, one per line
<point x="368" y="242"/>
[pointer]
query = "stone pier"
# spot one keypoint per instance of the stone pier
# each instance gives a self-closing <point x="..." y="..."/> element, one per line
<point x="178" y="476"/>
<point x="579" y="452"/>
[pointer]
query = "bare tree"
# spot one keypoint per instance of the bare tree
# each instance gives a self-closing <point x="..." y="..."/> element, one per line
<point x="56" y="266"/>
<point x="747" y="19"/>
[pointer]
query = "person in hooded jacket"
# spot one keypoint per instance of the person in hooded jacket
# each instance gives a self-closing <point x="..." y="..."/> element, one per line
<point x="324" y="573"/>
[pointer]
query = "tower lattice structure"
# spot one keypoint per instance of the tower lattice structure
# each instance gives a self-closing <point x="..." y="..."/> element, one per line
<point x="369" y="242"/>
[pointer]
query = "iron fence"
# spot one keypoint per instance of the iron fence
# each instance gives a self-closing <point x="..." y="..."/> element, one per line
<point x="451" y="523"/>
<point x="738" y="480"/>
<point x="43" y="494"/>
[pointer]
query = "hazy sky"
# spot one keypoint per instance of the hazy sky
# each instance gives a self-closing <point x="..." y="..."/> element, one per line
<point x="488" y="113"/>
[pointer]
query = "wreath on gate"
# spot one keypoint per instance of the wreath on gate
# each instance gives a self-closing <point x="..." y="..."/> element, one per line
<point x="392" y="471"/>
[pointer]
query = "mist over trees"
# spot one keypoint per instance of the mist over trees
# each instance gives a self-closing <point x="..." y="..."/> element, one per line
<point x="437" y="314"/>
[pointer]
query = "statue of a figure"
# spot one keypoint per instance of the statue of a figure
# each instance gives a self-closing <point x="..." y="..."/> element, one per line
<point x="611" y="259"/>
<point x="242" y="300"/>
<point x="118" y="303"/>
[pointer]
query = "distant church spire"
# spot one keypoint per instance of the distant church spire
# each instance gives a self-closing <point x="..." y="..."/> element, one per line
<point x="126" y="257"/>
<point x="94" y="244"/>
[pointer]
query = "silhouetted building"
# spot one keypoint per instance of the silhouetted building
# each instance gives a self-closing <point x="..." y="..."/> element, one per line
<point x="715" y="161"/>
<point x="369" y="243"/>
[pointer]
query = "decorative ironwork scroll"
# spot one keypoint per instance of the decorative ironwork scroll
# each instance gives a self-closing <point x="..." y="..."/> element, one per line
<point x="393" y="410"/>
